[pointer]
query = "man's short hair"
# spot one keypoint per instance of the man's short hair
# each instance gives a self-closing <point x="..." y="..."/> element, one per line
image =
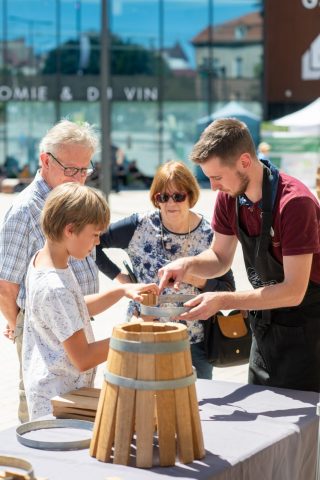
<point x="179" y="175"/>
<point x="66" y="132"/>
<point x="226" y="138"/>
<point x="72" y="203"/>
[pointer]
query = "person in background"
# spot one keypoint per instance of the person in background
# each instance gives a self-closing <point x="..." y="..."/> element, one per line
<point x="65" y="155"/>
<point x="59" y="352"/>
<point x="277" y="221"/>
<point x="135" y="175"/>
<point x="25" y="172"/>
<point x="154" y="239"/>
<point x="11" y="167"/>
<point x="263" y="151"/>
<point x="119" y="168"/>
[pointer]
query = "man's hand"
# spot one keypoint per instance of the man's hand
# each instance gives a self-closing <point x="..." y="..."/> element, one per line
<point x="9" y="332"/>
<point x="203" y="306"/>
<point x="8" y="306"/>
<point x="171" y="275"/>
<point x="134" y="290"/>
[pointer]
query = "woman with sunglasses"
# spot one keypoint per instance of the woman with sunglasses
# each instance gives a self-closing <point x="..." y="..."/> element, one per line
<point x="156" y="238"/>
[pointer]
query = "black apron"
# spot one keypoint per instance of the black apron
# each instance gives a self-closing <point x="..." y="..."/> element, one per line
<point x="285" y="348"/>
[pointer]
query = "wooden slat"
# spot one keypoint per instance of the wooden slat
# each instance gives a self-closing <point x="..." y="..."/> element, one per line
<point x="87" y="392"/>
<point x="149" y="299"/>
<point x="145" y="404"/>
<point x="125" y="405"/>
<point x="97" y="423"/>
<point x="69" y="406"/>
<point x="165" y="401"/>
<point x="58" y="411"/>
<point x="106" y="427"/>
<point x="76" y="401"/>
<point x="182" y="404"/>
<point x="197" y="438"/>
<point x="76" y="416"/>
<point x="108" y="417"/>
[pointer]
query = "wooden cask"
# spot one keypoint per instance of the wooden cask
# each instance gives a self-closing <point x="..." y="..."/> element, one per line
<point x="148" y="407"/>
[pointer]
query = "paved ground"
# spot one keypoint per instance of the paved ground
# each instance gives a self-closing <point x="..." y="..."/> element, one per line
<point x="122" y="204"/>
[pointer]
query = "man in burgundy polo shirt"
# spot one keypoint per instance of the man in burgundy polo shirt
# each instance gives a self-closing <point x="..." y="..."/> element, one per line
<point x="277" y="220"/>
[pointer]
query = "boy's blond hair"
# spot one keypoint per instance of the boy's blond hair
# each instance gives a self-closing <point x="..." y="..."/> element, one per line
<point x="71" y="203"/>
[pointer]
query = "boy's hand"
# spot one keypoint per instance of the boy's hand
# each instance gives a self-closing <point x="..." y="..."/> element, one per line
<point x="134" y="290"/>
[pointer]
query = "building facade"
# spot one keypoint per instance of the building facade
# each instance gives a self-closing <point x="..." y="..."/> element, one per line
<point x="292" y="55"/>
<point x="172" y="63"/>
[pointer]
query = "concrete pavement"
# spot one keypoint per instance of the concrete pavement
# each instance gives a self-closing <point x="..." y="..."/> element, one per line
<point x="121" y="204"/>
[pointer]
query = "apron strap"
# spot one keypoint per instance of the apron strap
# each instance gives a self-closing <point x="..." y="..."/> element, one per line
<point x="266" y="214"/>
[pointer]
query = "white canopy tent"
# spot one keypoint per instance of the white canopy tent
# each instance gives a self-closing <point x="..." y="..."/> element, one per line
<point x="308" y="118"/>
<point x="297" y="149"/>
<point x="231" y="109"/>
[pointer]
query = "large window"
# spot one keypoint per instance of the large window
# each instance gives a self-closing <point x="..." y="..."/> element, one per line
<point x="135" y="37"/>
<point x="30" y="32"/>
<point x="135" y="131"/>
<point x="173" y="64"/>
<point x="181" y="128"/>
<point x="27" y="122"/>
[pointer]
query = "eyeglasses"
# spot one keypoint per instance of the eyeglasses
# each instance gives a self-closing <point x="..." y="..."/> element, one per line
<point x="72" y="171"/>
<point x="176" y="197"/>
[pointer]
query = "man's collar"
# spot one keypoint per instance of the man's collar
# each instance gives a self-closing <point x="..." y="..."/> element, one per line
<point x="42" y="184"/>
<point x="273" y="177"/>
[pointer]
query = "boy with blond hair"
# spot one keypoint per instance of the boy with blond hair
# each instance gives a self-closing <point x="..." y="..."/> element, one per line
<point x="59" y="351"/>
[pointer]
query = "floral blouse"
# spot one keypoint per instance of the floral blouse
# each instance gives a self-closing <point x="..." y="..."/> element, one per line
<point x="150" y="246"/>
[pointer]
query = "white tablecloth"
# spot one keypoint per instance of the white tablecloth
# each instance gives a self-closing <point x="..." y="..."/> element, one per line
<point x="250" y="433"/>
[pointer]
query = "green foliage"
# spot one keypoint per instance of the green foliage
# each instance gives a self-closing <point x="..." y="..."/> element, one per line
<point x="270" y="127"/>
<point x="126" y="59"/>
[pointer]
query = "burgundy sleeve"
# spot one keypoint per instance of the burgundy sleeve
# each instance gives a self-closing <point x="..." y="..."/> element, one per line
<point x="223" y="220"/>
<point x="300" y="227"/>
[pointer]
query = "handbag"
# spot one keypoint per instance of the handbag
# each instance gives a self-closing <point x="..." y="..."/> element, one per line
<point x="227" y="339"/>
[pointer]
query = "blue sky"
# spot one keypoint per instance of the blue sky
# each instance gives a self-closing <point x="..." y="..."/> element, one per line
<point x="134" y="19"/>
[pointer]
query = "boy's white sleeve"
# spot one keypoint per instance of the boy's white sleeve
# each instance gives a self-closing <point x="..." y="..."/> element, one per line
<point x="61" y="313"/>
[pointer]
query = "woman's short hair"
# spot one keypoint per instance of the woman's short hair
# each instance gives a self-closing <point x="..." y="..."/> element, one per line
<point x="66" y="132"/>
<point x="179" y="175"/>
<point x="72" y="203"/>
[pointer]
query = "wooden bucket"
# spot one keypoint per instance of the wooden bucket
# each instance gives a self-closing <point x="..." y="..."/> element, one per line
<point x="148" y="397"/>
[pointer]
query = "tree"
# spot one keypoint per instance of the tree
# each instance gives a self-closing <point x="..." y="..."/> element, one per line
<point x="126" y="59"/>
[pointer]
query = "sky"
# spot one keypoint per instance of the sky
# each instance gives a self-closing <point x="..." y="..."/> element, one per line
<point x="137" y="20"/>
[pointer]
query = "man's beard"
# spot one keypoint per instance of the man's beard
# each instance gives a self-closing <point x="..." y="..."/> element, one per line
<point x="244" y="183"/>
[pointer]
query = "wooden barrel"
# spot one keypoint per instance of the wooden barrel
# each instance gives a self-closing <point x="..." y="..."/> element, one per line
<point x="148" y="398"/>
<point x="318" y="182"/>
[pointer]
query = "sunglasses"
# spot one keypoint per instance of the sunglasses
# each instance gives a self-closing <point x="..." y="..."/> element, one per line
<point x="176" y="197"/>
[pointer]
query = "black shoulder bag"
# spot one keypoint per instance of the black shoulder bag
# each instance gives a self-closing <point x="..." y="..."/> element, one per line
<point x="227" y="339"/>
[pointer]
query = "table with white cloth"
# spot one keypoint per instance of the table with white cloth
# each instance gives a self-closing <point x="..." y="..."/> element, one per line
<point x="250" y="433"/>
